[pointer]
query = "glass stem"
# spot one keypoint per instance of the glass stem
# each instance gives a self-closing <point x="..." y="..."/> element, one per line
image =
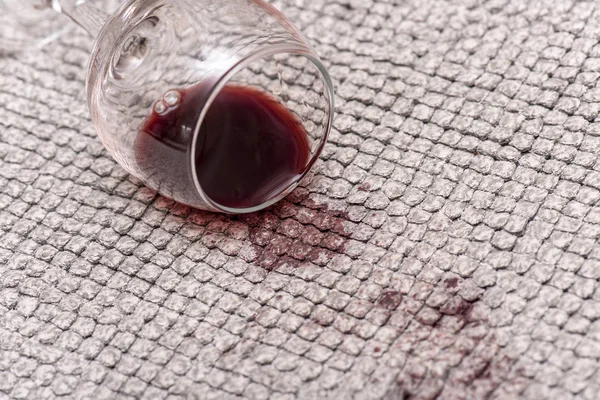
<point x="83" y="13"/>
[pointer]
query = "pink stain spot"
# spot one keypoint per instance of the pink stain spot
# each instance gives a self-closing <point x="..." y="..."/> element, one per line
<point x="285" y="234"/>
<point x="451" y="282"/>
<point x="390" y="300"/>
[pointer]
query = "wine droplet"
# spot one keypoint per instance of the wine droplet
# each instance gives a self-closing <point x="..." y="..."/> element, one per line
<point x="172" y="98"/>
<point x="160" y="107"/>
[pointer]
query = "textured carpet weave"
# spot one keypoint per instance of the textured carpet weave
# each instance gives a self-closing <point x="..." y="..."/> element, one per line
<point x="446" y="246"/>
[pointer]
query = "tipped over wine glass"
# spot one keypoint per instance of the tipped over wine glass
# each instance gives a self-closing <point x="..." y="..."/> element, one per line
<point x="222" y="105"/>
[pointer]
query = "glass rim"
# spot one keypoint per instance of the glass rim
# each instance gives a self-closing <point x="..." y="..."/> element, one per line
<point x="264" y="52"/>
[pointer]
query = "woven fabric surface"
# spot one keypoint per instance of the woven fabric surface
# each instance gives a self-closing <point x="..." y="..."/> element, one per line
<point x="445" y="247"/>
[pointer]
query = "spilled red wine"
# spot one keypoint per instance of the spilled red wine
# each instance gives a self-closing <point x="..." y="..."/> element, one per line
<point x="249" y="146"/>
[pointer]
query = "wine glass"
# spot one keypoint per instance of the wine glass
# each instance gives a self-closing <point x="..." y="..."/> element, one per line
<point x="222" y="105"/>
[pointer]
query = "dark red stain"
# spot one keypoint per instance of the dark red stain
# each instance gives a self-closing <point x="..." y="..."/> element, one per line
<point x="260" y="236"/>
<point x="320" y="256"/>
<point x="364" y="187"/>
<point x="457" y="331"/>
<point x="312" y="236"/>
<point x="390" y="300"/>
<point x="200" y="217"/>
<point x="298" y="229"/>
<point x="451" y="283"/>
<point x="332" y="241"/>
<point x="279" y="245"/>
<point x="293" y="231"/>
<point x="297" y="196"/>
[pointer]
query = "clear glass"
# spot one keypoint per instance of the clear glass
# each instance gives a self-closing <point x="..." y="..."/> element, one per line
<point x="150" y="53"/>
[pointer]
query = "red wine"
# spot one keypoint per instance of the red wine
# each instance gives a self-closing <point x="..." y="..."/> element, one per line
<point x="249" y="146"/>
